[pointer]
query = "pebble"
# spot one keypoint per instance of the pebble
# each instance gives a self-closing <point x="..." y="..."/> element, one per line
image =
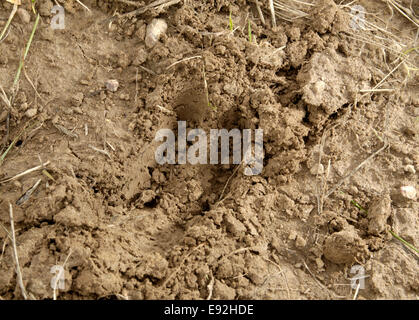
<point x="220" y="49"/>
<point x="31" y="112"/>
<point x="112" y="85"/>
<point x="78" y="110"/>
<point x="300" y="242"/>
<point x="408" y="192"/>
<point x="320" y="263"/>
<point x="155" y="30"/>
<point x="24" y="106"/>
<point x="124" y="96"/>
<point x="148" y="124"/>
<point x="24" y="15"/>
<point x="410" y="169"/>
<point x="292" y="235"/>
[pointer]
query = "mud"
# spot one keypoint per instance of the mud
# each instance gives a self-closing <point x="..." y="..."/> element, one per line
<point x="125" y="227"/>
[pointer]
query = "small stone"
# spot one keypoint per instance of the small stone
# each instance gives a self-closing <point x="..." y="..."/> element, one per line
<point x="24" y="106"/>
<point x="31" y="112"/>
<point x="78" y="110"/>
<point x="220" y="49"/>
<point x="24" y="15"/>
<point x="155" y="30"/>
<point x="292" y="235"/>
<point x="112" y="85"/>
<point x="410" y="169"/>
<point x="148" y="124"/>
<point x="124" y="96"/>
<point x="319" y="263"/>
<point x="408" y="192"/>
<point x="300" y="242"/>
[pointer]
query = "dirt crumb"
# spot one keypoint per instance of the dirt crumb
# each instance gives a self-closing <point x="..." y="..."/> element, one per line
<point x="344" y="246"/>
<point x="378" y="213"/>
<point x="337" y="99"/>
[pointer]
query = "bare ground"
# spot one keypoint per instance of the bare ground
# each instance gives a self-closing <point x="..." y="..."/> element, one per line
<point x="131" y="228"/>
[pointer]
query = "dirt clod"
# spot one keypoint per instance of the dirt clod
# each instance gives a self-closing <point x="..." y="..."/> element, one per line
<point x="24" y="15"/>
<point x="378" y="213"/>
<point x="338" y="106"/>
<point x="344" y="247"/>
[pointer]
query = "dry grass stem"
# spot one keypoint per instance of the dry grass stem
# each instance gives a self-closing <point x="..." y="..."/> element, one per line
<point x="40" y="167"/>
<point x="15" y="255"/>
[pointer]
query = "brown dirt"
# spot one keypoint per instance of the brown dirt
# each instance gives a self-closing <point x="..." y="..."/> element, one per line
<point x="139" y="230"/>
